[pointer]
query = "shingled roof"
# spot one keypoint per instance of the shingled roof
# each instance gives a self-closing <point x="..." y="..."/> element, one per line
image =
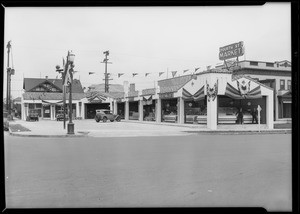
<point x="30" y="83"/>
<point x="173" y="84"/>
<point x="50" y="96"/>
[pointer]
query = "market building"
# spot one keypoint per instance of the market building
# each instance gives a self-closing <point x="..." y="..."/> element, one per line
<point x="209" y="98"/>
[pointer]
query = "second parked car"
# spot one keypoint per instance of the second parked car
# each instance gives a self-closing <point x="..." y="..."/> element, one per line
<point x="104" y="115"/>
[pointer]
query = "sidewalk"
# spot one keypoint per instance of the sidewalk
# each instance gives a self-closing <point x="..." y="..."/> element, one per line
<point x="85" y="128"/>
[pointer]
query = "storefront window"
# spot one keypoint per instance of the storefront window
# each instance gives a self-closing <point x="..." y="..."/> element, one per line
<point x="282" y="84"/>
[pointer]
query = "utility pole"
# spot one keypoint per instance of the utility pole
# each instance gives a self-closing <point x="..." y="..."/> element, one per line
<point x="106" y="75"/>
<point x="10" y="71"/>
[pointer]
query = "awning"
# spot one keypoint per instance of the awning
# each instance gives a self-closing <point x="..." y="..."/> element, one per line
<point x="199" y="95"/>
<point x="147" y="100"/>
<point x="236" y="94"/>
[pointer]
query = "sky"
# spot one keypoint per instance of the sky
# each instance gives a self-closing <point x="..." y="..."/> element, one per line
<point x="140" y="40"/>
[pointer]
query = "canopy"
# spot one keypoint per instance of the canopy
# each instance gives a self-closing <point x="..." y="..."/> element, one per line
<point x="199" y="95"/>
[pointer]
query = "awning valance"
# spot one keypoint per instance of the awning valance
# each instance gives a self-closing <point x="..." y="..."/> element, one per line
<point x="199" y="95"/>
<point x="237" y="94"/>
<point x="54" y="102"/>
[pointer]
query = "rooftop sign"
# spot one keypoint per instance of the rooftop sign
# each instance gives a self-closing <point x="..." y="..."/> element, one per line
<point x="231" y="51"/>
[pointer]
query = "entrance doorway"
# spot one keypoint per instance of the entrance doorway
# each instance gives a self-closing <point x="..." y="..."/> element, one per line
<point x="46" y="111"/>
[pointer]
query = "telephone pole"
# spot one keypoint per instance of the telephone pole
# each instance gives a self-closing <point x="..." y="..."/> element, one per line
<point x="106" y="75"/>
<point x="10" y="71"/>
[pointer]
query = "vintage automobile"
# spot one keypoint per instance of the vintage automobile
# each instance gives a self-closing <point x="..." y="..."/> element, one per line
<point x="60" y="115"/>
<point x="104" y="115"/>
<point x="33" y="115"/>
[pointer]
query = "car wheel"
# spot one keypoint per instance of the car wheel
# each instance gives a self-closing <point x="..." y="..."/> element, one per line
<point x="97" y="120"/>
<point x="111" y="120"/>
<point x="118" y="119"/>
<point x="104" y="119"/>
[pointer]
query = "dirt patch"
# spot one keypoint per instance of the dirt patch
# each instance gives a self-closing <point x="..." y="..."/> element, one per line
<point x="18" y="128"/>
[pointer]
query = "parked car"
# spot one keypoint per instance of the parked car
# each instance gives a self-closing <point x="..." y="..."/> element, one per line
<point x="33" y="115"/>
<point x="60" y="115"/>
<point x="104" y="115"/>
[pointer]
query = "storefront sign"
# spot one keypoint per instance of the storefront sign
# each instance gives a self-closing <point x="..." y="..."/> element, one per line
<point x="130" y="99"/>
<point x="231" y="51"/>
<point x="166" y="95"/>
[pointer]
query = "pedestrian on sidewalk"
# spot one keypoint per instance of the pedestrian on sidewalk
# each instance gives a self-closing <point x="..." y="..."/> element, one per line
<point x="240" y="116"/>
<point x="254" y="115"/>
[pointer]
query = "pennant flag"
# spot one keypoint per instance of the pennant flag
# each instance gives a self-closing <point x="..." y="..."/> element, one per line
<point x="160" y="73"/>
<point x="91" y="73"/>
<point x="146" y="74"/>
<point x="185" y="70"/>
<point x="174" y="73"/>
<point x="120" y="74"/>
<point x="196" y="69"/>
<point x="208" y="67"/>
<point x="134" y="74"/>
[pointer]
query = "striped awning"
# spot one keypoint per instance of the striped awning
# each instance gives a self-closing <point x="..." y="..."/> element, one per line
<point x="236" y="94"/>
<point x="199" y="95"/>
<point x="47" y="102"/>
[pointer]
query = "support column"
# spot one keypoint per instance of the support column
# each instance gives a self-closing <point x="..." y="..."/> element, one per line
<point x="269" y="112"/>
<point x="127" y="110"/>
<point x="212" y="113"/>
<point x="23" y="112"/>
<point x="111" y="106"/>
<point x="141" y="110"/>
<point x="83" y="111"/>
<point x="115" y="107"/>
<point x="158" y="110"/>
<point x="51" y="112"/>
<point x="181" y="110"/>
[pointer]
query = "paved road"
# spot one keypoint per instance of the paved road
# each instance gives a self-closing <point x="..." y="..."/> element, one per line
<point x="194" y="170"/>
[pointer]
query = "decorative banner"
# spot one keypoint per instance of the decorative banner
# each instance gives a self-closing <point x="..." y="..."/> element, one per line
<point x="134" y="74"/>
<point x="212" y="92"/>
<point x="160" y="73"/>
<point x="174" y="73"/>
<point x="243" y="87"/>
<point x="120" y="74"/>
<point x="185" y="70"/>
<point x="196" y="69"/>
<point x="91" y="73"/>
<point x="199" y="95"/>
<point x="147" y="100"/>
<point x="236" y="94"/>
<point x="146" y="74"/>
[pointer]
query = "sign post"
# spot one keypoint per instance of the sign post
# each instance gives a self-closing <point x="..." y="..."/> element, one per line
<point x="258" y="116"/>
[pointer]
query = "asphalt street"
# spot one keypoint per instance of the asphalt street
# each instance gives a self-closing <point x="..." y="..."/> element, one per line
<point x="160" y="171"/>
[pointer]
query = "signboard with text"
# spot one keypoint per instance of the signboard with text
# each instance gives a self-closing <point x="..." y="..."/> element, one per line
<point x="231" y="51"/>
<point x="166" y="95"/>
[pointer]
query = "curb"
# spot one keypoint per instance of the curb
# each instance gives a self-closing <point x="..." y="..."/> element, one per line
<point x="54" y="136"/>
<point x="242" y="132"/>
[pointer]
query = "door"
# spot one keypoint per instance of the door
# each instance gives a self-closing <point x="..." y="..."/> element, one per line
<point x="46" y="111"/>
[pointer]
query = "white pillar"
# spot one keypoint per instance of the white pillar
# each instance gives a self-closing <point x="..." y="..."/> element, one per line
<point x="141" y="110"/>
<point x="212" y="112"/>
<point x="23" y="111"/>
<point x="51" y="112"/>
<point x="270" y="112"/>
<point x="127" y="110"/>
<point x="181" y="110"/>
<point x="111" y="107"/>
<point x="82" y="110"/>
<point x="276" y="108"/>
<point x="158" y="110"/>
<point x="115" y="107"/>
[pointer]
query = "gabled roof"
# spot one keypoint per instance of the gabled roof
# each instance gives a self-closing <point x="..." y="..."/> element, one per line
<point x="113" y="95"/>
<point x="30" y="83"/>
<point x="50" y="96"/>
<point x="173" y="84"/>
<point x="101" y="87"/>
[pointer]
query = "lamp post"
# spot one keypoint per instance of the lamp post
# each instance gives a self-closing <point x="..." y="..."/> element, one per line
<point x="69" y="80"/>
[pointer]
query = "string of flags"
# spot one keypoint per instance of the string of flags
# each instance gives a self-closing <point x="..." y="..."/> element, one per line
<point x="174" y="73"/>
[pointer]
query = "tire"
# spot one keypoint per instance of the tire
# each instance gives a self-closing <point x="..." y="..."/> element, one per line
<point x="104" y="119"/>
<point x="111" y="120"/>
<point x="97" y="120"/>
<point x="118" y="119"/>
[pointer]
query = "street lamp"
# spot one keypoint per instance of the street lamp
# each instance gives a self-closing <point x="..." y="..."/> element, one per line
<point x="10" y="71"/>
<point x="70" y="61"/>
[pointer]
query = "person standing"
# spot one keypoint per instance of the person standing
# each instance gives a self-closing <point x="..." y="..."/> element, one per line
<point x="240" y="116"/>
<point x="254" y="115"/>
